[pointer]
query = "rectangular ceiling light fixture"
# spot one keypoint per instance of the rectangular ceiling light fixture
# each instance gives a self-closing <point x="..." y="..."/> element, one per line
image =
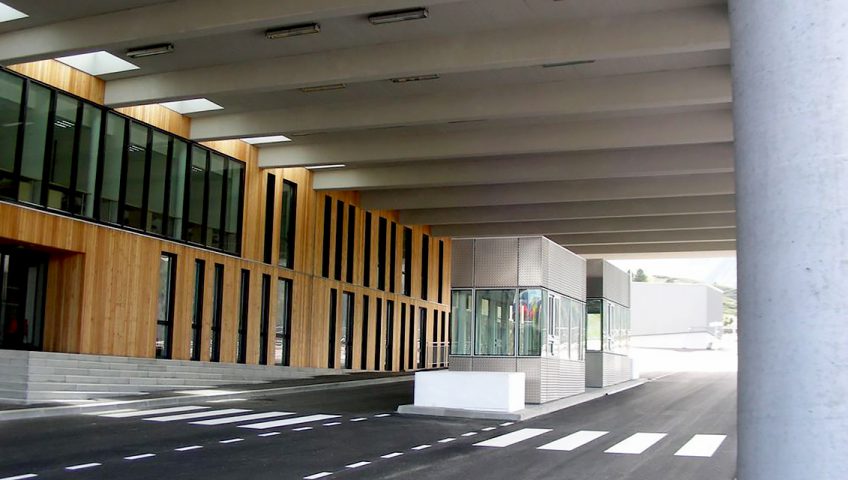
<point x="417" y="78"/>
<point x="323" y="88"/>
<point x="150" y="50"/>
<point x="292" y="31"/>
<point x="567" y="64"/>
<point x="97" y="63"/>
<point x="268" y="139"/>
<point x="195" y="105"/>
<point x="323" y="167"/>
<point x="7" y="13"/>
<point x="398" y="16"/>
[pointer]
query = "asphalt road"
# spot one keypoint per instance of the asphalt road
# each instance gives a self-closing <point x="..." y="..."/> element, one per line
<point x="353" y="434"/>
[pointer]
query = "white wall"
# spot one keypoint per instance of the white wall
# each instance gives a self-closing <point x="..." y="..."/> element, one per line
<point x="673" y="308"/>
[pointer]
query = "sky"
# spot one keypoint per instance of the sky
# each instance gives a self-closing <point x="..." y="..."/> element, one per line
<point x="721" y="270"/>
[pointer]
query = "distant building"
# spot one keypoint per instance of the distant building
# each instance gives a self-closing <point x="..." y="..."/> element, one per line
<point x="675" y="315"/>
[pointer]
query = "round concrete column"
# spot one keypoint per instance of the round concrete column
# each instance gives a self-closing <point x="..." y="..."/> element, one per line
<point x="790" y="75"/>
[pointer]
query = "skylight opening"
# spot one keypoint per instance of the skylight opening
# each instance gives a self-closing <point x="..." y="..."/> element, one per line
<point x="268" y="139"/>
<point x="194" y="105"/>
<point x="7" y="13"/>
<point x="98" y="63"/>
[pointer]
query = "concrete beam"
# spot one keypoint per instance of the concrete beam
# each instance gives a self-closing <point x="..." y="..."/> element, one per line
<point x="700" y="86"/>
<point x="682" y="250"/>
<point x="550" y="192"/>
<point x="589" y="225"/>
<point x="413" y="145"/>
<point x="658" y="236"/>
<point x="638" y="162"/>
<point x="571" y="210"/>
<point x="678" y="31"/>
<point x="174" y="20"/>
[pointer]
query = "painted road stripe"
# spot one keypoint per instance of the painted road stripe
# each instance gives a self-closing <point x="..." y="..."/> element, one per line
<point x="636" y="443"/>
<point x="301" y="429"/>
<point x="469" y="434"/>
<point x="421" y="447"/>
<point x="332" y="424"/>
<point x="392" y="455"/>
<point x="506" y="424"/>
<point x="20" y="477"/>
<point x="358" y="464"/>
<point x="190" y="416"/>
<point x="447" y="440"/>
<point x="269" y="434"/>
<point x="107" y="412"/>
<point x="318" y="475"/>
<point x="232" y="440"/>
<point x="358" y="419"/>
<point x="242" y="418"/>
<point x="188" y="449"/>
<point x="289" y="421"/>
<point x="488" y="429"/>
<point x="513" y="437"/>
<point x="573" y="441"/>
<point x="83" y="466"/>
<point x="227" y="400"/>
<point x="381" y="415"/>
<point x="701" y="446"/>
<point x="147" y="413"/>
<point x="139" y="457"/>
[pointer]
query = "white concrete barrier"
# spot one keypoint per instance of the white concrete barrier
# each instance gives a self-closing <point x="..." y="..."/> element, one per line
<point x="489" y="391"/>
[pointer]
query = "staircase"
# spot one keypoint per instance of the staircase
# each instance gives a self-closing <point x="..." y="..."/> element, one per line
<point x="37" y="377"/>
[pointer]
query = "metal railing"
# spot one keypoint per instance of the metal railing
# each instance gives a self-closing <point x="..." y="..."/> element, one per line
<point x="437" y="354"/>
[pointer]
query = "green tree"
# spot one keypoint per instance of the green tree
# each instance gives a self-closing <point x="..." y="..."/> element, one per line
<point x="640" y="276"/>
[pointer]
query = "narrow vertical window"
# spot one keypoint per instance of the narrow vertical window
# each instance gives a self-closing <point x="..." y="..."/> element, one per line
<point x="346" y="340"/>
<point x="88" y="148"/>
<point x="390" y="334"/>
<point x="270" y="196"/>
<point x="393" y="257"/>
<point x="425" y="266"/>
<point x="406" y="263"/>
<point x="60" y="152"/>
<point x="433" y="344"/>
<point x="411" y="337"/>
<point x="233" y="208"/>
<point x="381" y="254"/>
<point x="366" y="256"/>
<point x="165" y="315"/>
<point x="363" y="349"/>
<point x="157" y="185"/>
<point x="339" y="239"/>
<point x="35" y="141"/>
<point x="440" y="293"/>
<point x="197" y="195"/>
<point x="287" y="225"/>
<point x="216" y="201"/>
<point x="331" y="337"/>
<point x="351" y="236"/>
<point x="422" y="338"/>
<point x="282" y="340"/>
<point x="443" y="350"/>
<point x="264" y="325"/>
<point x="135" y="178"/>
<point x="109" y="180"/>
<point x="402" y="357"/>
<point x="244" y="309"/>
<point x="325" y="251"/>
<point x="197" y="309"/>
<point x="378" y="331"/>
<point x="217" y="312"/>
<point x="176" y="190"/>
<point x="12" y="90"/>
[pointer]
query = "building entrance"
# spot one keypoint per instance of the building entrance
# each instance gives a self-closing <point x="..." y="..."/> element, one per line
<point x="23" y="278"/>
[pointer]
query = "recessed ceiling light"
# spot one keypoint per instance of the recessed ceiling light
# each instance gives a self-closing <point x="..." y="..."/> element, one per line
<point x="417" y="78"/>
<point x="269" y="139"/>
<point x="567" y="64"/>
<point x="150" y="50"/>
<point x="323" y="88"/>
<point x="398" y="16"/>
<point x="98" y="63"/>
<point x="292" y="31"/>
<point x="322" y="167"/>
<point x="7" y="13"/>
<point x="192" y="106"/>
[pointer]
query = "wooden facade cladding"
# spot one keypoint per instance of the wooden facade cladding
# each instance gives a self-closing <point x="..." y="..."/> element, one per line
<point x="102" y="281"/>
<point x="64" y="78"/>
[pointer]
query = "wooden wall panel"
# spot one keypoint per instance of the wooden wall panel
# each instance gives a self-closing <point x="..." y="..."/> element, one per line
<point x="63" y="77"/>
<point x="161" y="117"/>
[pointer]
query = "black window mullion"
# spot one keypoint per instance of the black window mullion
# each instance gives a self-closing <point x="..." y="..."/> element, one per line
<point x="101" y="158"/>
<point x="19" y="149"/>
<point x="122" y="196"/>
<point x="49" y="150"/>
<point x="186" y="193"/>
<point x="223" y="217"/>
<point x="240" y="227"/>
<point x="204" y="221"/>
<point x="72" y="194"/>
<point x="166" y="202"/>
<point x="145" y="195"/>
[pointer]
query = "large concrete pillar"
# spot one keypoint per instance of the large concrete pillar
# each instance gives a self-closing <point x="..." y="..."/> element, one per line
<point x="790" y="75"/>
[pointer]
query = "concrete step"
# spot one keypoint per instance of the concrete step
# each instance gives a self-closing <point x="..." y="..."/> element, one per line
<point x="52" y="396"/>
<point x="13" y="394"/>
<point x="116" y="388"/>
<point x="105" y="372"/>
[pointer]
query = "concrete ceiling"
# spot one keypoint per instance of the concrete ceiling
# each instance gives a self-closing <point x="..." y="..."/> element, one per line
<point x="627" y="149"/>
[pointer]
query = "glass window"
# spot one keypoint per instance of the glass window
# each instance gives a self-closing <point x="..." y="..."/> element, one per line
<point x="135" y="182"/>
<point x="381" y="253"/>
<point x="378" y="332"/>
<point x="265" y="320"/>
<point x="462" y="326"/>
<point x="392" y="256"/>
<point x="165" y="317"/>
<point x="440" y="293"/>
<point x="339" y="237"/>
<point x="157" y="183"/>
<point x="244" y="309"/>
<point x="62" y="153"/>
<point x="363" y="338"/>
<point x="287" y="224"/>
<point x="11" y="94"/>
<point x="113" y="157"/>
<point x="351" y="236"/>
<point x="366" y="257"/>
<point x="425" y="266"/>
<point x="197" y="309"/>
<point x="390" y="335"/>
<point x="593" y="324"/>
<point x="197" y="195"/>
<point x="89" y="147"/>
<point x="406" y="262"/>
<point x="217" y="312"/>
<point x="232" y="222"/>
<point x="346" y="340"/>
<point x="270" y="199"/>
<point x="331" y="351"/>
<point x="176" y="193"/>
<point x="495" y="322"/>
<point x="282" y="342"/>
<point x="35" y="141"/>
<point x="578" y="314"/>
<point x="531" y="322"/>
<point x="215" y="201"/>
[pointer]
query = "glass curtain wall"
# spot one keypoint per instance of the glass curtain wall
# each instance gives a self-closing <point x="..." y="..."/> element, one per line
<point x="462" y="326"/>
<point x="495" y="322"/>
<point x="608" y="326"/>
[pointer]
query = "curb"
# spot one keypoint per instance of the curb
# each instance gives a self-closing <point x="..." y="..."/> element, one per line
<point x="44" y="412"/>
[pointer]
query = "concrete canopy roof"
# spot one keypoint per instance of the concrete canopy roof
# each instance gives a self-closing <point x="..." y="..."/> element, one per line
<point x="603" y="124"/>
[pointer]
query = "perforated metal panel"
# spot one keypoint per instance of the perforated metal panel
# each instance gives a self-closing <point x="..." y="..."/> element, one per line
<point x="493" y="364"/>
<point x="605" y="369"/>
<point x="562" y="378"/>
<point x="460" y="363"/>
<point x="462" y="263"/>
<point x="532" y="368"/>
<point x="496" y="262"/>
<point x="595" y="278"/>
<point x="616" y="284"/>
<point x="565" y="272"/>
<point x="530" y="262"/>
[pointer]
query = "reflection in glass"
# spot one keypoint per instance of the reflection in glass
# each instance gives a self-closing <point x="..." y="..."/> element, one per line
<point x="62" y="153"/>
<point x="287" y="224"/>
<point x="35" y="140"/>
<point x="282" y="340"/>
<point x="196" y="195"/>
<point x="232" y="230"/>
<point x="495" y="325"/>
<point x="89" y="146"/>
<point x="136" y="165"/>
<point x="531" y="321"/>
<point x="113" y="158"/>
<point x="217" y="174"/>
<point x="157" y="182"/>
<point x="11" y="92"/>
<point x="177" y="190"/>
<point x="462" y="326"/>
<point x="593" y="324"/>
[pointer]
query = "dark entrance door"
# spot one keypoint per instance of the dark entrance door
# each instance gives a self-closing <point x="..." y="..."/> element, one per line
<point x="23" y="277"/>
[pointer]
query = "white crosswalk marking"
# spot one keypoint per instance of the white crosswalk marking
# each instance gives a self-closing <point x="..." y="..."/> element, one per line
<point x="289" y="421"/>
<point x="636" y="443"/>
<point x="391" y="455"/>
<point x="701" y="446"/>
<point x="242" y="418"/>
<point x="573" y="441"/>
<point x="83" y="466"/>
<point x="191" y="416"/>
<point x="139" y="457"/>
<point x="318" y="475"/>
<point x="20" y="477"/>
<point x="513" y="437"/>
<point x="147" y="413"/>
<point x="358" y="464"/>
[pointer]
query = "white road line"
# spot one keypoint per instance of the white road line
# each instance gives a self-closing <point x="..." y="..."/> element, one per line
<point x="318" y="475"/>
<point x="573" y="441"/>
<point x="139" y="457"/>
<point x="701" y="446"/>
<point x="227" y="400"/>
<point x="447" y="440"/>
<point x="382" y="415"/>
<point x="513" y="437"/>
<point x="506" y="424"/>
<point x="107" y="412"/>
<point x="358" y="464"/>
<point x="20" y="477"/>
<point x="332" y="424"/>
<point x="301" y="429"/>
<point x="358" y="419"/>
<point x="289" y="421"/>
<point x="190" y="416"/>
<point x="232" y="440"/>
<point x="269" y="434"/>
<point x="242" y="418"/>
<point x="469" y="434"/>
<point x="488" y="429"/>
<point x="83" y="466"/>
<point x="391" y="455"/>
<point x="636" y="443"/>
<point x="420" y="447"/>
<point x="147" y="413"/>
<point x="188" y="449"/>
